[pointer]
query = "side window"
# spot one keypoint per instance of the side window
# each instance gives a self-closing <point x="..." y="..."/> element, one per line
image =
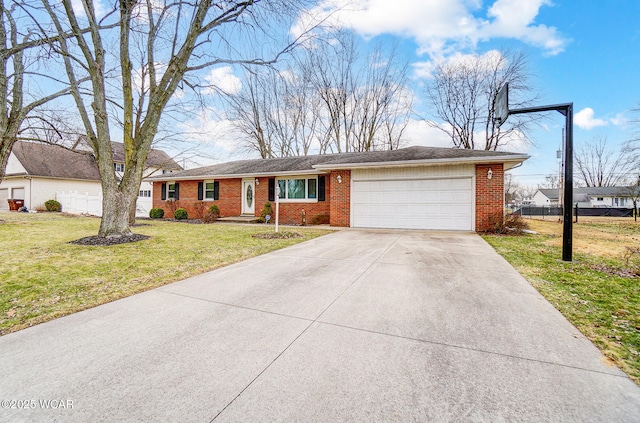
<point x="209" y="190"/>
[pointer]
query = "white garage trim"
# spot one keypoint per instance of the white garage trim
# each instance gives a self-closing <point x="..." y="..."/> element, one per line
<point x="418" y="198"/>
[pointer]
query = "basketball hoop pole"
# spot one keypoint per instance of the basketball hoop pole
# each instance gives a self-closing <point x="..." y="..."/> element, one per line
<point x="565" y="109"/>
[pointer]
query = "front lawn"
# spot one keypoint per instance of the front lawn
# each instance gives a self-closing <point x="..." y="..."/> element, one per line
<point x="42" y="276"/>
<point x="597" y="291"/>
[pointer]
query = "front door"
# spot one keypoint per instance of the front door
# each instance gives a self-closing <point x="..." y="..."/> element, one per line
<point x="248" y="197"/>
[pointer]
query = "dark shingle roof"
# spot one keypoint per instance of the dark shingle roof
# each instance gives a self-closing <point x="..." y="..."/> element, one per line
<point x="309" y="163"/>
<point x="57" y="162"/>
<point x="54" y="161"/>
<point x="155" y="158"/>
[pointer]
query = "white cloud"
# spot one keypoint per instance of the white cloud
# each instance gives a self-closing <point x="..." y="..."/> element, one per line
<point x="209" y="129"/>
<point x="585" y="119"/>
<point x="440" y="27"/>
<point x="620" y="119"/>
<point x="223" y="79"/>
<point x="429" y="134"/>
<point x="488" y="60"/>
<point x="419" y="132"/>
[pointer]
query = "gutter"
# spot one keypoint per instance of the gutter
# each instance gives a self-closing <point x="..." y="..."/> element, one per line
<point x="515" y="159"/>
<point x="168" y="177"/>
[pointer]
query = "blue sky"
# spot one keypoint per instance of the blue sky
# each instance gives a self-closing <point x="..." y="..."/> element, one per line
<point x="586" y="52"/>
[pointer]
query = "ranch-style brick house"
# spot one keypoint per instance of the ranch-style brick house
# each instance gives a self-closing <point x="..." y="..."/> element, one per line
<point x="409" y="188"/>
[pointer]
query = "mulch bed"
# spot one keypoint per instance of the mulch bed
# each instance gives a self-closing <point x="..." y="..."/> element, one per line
<point x="106" y="241"/>
<point x="278" y="235"/>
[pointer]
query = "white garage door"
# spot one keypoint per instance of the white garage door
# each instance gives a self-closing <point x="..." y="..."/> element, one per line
<point x="4" y="196"/>
<point x="445" y="204"/>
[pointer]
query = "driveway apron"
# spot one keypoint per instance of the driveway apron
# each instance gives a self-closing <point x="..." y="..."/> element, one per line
<point x="353" y="326"/>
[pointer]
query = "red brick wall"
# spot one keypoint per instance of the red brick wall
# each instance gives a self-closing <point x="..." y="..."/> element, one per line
<point x="291" y="213"/>
<point x="489" y="194"/>
<point x="340" y="195"/>
<point x="228" y="203"/>
<point x="230" y="200"/>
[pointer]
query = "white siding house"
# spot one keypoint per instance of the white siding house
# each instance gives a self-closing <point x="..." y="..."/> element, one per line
<point x="39" y="172"/>
<point x="617" y="197"/>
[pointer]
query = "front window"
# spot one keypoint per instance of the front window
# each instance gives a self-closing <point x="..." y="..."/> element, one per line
<point x="209" y="190"/>
<point x="298" y="189"/>
<point x="171" y="190"/>
<point x="118" y="167"/>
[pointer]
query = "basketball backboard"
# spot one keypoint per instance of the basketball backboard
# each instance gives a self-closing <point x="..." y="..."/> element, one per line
<point x="501" y="112"/>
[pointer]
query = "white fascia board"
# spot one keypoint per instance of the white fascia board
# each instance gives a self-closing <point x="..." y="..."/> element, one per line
<point x="511" y="160"/>
<point x="168" y="176"/>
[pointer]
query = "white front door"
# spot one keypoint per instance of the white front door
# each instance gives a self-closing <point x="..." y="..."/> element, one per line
<point x="248" y="197"/>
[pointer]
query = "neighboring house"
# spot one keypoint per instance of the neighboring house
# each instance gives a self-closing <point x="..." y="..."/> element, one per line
<point x="39" y="172"/>
<point x="411" y="188"/>
<point x="588" y="197"/>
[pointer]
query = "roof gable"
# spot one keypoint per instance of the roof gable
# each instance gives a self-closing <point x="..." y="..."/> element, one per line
<point x="53" y="161"/>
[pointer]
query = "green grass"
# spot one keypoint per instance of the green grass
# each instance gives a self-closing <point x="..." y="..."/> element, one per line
<point x="589" y="291"/>
<point x="42" y="276"/>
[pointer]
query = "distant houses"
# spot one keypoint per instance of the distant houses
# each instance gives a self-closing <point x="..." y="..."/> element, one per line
<point x="618" y="197"/>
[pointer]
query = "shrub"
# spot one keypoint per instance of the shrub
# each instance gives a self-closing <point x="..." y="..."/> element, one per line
<point x="53" y="206"/>
<point x="266" y="210"/>
<point x="320" y="219"/>
<point x="180" y="214"/>
<point x="214" y="210"/>
<point x="509" y="224"/>
<point x="200" y="208"/>
<point x="212" y="214"/>
<point x="156" y="213"/>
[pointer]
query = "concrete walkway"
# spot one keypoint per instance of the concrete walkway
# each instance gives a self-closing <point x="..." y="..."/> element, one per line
<point x="353" y="326"/>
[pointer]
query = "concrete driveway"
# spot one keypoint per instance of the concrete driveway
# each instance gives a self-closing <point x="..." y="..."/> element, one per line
<point x="353" y="326"/>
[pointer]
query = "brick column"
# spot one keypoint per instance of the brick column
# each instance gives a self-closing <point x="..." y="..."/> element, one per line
<point x="489" y="194"/>
<point x="340" y="197"/>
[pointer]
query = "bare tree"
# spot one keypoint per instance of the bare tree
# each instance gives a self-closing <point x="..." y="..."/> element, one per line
<point x="169" y="43"/>
<point x="598" y="166"/>
<point x="366" y="104"/>
<point x="463" y="92"/>
<point x="276" y="111"/>
<point x="511" y="188"/>
<point x="328" y="99"/>
<point x="551" y="181"/>
<point x="22" y="52"/>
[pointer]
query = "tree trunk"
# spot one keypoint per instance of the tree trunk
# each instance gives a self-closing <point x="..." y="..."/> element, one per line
<point x="132" y="214"/>
<point x="5" y="152"/>
<point x="115" y="214"/>
<point x="118" y="201"/>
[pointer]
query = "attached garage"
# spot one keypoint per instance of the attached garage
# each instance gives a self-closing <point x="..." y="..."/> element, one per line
<point x="438" y="197"/>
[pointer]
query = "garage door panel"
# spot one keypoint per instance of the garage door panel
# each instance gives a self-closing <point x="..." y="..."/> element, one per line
<point x="413" y="204"/>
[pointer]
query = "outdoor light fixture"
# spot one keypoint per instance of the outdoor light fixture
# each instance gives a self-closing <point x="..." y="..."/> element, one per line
<point x="339" y="178"/>
<point x="489" y="174"/>
<point x="257" y="181"/>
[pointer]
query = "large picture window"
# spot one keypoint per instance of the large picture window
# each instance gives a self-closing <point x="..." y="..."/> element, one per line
<point x="298" y="188"/>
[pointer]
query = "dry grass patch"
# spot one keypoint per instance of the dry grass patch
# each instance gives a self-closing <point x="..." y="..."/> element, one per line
<point x="43" y="276"/>
<point x="601" y="236"/>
